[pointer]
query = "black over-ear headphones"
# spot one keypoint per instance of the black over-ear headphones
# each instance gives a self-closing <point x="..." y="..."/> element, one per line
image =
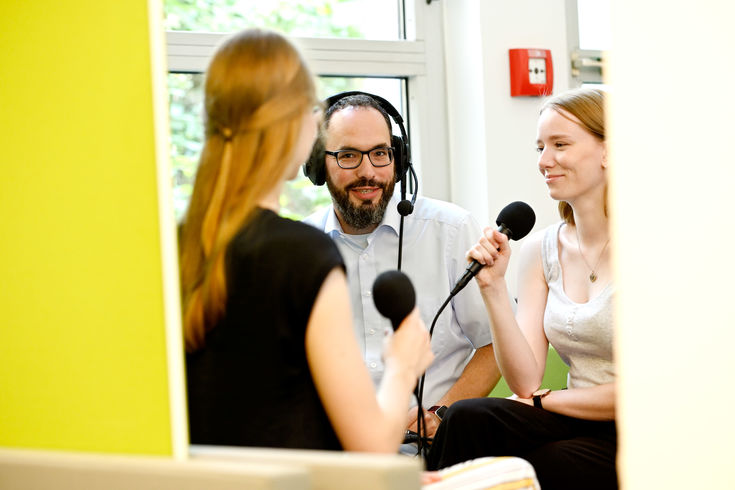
<point x="315" y="168"/>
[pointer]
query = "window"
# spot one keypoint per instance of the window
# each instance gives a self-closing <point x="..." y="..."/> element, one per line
<point x="594" y="24"/>
<point x="589" y="37"/>
<point x="350" y="44"/>
<point x="299" y="198"/>
<point x="358" y="19"/>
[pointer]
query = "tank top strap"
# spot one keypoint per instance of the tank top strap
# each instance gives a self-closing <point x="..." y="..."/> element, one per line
<point x="550" y="252"/>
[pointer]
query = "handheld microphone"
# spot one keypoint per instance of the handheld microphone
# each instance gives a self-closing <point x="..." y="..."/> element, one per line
<point x="515" y="221"/>
<point x="394" y="296"/>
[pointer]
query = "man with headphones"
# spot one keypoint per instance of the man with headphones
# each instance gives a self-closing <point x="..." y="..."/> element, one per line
<point x="361" y="161"/>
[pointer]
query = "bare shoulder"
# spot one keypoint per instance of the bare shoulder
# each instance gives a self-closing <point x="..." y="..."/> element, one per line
<point x="531" y="247"/>
<point x="530" y="263"/>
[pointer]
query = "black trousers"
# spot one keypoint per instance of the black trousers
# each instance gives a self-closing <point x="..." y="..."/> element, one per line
<point x="566" y="453"/>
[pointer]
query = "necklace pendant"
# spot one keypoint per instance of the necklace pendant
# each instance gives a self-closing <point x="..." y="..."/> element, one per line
<point x="593" y="276"/>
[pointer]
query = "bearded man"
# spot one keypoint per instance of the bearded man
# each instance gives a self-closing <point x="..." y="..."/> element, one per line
<point x="360" y="170"/>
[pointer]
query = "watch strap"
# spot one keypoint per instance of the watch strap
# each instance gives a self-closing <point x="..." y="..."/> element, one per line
<point x="538" y="395"/>
<point x="537" y="401"/>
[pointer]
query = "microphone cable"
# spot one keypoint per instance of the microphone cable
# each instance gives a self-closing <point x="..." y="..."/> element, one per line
<point x="423" y="437"/>
<point x="400" y="242"/>
<point x="405" y="207"/>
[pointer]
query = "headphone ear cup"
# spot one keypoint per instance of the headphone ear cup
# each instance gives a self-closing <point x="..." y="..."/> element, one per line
<point x="315" y="168"/>
<point x="399" y="156"/>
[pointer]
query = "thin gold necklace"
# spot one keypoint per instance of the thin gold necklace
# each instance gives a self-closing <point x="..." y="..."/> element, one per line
<point x="593" y="275"/>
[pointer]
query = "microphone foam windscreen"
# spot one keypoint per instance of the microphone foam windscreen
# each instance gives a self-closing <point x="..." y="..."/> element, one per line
<point x="518" y="217"/>
<point x="394" y="295"/>
<point x="405" y="207"/>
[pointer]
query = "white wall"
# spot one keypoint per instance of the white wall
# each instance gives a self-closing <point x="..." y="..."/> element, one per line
<point x="673" y="172"/>
<point x="492" y="135"/>
<point x="466" y="99"/>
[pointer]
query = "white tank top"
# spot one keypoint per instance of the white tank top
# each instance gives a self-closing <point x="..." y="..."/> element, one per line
<point x="582" y="333"/>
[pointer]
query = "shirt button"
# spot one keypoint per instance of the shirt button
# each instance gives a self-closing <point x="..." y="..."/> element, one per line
<point x="368" y="293"/>
<point x="372" y="331"/>
<point x="373" y="365"/>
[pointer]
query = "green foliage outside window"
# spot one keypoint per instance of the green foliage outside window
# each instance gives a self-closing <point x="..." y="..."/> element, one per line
<point x="313" y="18"/>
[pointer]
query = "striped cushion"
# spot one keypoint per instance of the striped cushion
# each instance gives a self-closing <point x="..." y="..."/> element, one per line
<point x="491" y="473"/>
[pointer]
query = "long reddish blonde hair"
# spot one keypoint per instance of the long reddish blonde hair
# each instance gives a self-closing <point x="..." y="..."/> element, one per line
<point x="257" y="90"/>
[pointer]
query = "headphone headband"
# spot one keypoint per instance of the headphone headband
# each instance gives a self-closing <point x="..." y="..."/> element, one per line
<point x="387" y="106"/>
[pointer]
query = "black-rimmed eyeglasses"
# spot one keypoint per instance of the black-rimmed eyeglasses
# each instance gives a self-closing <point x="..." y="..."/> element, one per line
<point x="349" y="159"/>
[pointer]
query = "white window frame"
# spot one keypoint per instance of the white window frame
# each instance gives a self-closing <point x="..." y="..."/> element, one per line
<point x="419" y="59"/>
<point x="586" y="64"/>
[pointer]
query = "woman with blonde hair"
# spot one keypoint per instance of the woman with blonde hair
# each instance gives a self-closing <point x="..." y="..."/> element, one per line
<point x="271" y="355"/>
<point x="565" y="298"/>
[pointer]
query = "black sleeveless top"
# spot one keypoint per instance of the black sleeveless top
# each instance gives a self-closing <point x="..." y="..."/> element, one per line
<point x="250" y="385"/>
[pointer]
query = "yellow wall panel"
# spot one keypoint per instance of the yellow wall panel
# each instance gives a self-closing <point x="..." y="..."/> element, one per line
<point x="82" y="336"/>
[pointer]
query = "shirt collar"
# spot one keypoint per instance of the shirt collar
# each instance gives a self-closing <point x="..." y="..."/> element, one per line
<point x="392" y="218"/>
<point x="331" y="224"/>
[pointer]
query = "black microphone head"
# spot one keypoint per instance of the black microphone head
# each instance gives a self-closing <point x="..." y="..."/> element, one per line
<point x="394" y="296"/>
<point x="405" y="207"/>
<point x="516" y="220"/>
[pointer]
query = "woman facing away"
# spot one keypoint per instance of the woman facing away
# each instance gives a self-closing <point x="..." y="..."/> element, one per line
<point x="271" y="355"/>
<point x="565" y="298"/>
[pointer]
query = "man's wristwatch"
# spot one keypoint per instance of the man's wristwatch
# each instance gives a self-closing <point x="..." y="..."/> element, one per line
<point x="438" y="410"/>
<point x="538" y="395"/>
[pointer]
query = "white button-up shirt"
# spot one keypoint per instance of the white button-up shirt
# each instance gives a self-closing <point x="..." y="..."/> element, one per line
<point x="436" y="238"/>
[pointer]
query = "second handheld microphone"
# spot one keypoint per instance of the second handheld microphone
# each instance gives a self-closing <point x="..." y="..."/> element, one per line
<point x="515" y="221"/>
